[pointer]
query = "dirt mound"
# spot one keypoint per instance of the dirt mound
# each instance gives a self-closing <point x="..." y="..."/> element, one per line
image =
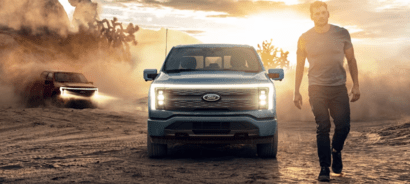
<point x="395" y="134"/>
<point x="389" y="133"/>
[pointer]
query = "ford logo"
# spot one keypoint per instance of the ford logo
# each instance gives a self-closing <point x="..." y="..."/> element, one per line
<point x="211" y="97"/>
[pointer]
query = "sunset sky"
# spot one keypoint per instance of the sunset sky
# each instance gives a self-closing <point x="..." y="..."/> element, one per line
<point x="380" y="29"/>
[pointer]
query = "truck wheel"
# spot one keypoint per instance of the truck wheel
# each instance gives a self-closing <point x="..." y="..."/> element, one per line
<point x="268" y="150"/>
<point x="57" y="102"/>
<point x="156" y="150"/>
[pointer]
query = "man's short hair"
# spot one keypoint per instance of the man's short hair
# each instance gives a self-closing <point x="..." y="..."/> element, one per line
<point x="317" y="4"/>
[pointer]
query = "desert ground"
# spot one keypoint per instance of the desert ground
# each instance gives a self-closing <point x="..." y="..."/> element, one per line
<point x="105" y="145"/>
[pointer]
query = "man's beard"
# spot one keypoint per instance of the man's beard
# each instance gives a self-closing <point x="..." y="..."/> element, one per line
<point x="321" y="23"/>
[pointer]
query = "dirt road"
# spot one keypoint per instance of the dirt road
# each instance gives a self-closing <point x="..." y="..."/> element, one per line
<point x="63" y="145"/>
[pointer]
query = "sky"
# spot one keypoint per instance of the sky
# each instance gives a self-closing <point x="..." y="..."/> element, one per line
<point x="379" y="28"/>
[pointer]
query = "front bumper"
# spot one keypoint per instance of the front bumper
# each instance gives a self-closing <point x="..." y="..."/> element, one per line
<point x="66" y="100"/>
<point x="211" y="140"/>
<point x="251" y="126"/>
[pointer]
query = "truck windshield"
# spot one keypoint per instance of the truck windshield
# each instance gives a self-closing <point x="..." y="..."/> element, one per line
<point x="219" y="58"/>
<point x="70" y="77"/>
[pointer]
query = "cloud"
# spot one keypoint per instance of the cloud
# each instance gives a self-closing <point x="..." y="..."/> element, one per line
<point x="230" y="7"/>
<point x="375" y="19"/>
<point x="372" y="18"/>
<point x="193" y="31"/>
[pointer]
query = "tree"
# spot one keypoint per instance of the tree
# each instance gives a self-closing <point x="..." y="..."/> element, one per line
<point x="272" y="57"/>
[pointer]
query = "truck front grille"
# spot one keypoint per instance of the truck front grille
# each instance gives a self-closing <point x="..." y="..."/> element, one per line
<point x="82" y="92"/>
<point x="231" y="99"/>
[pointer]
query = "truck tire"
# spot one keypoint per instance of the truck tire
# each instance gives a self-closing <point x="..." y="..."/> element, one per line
<point x="268" y="150"/>
<point x="56" y="102"/>
<point x="156" y="150"/>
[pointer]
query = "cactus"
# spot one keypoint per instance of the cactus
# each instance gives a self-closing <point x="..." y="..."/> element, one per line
<point x="49" y="39"/>
<point x="269" y="55"/>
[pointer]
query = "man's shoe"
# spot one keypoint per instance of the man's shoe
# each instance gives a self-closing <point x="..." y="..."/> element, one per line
<point x="337" y="164"/>
<point x="324" y="174"/>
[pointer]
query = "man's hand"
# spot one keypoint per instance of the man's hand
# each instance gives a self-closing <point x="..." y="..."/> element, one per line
<point x="354" y="72"/>
<point x="355" y="93"/>
<point x="297" y="99"/>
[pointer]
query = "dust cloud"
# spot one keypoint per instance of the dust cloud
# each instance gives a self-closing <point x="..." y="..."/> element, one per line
<point x="285" y="107"/>
<point x="384" y="87"/>
<point x="25" y="55"/>
<point x="36" y="17"/>
<point x="117" y="79"/>
<point x="127" y="81"/>
<point x="384" y="83"/>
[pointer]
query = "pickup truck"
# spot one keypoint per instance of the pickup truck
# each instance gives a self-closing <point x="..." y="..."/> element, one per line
<point x="65" y="87"/>
<point x="212" y="94"/>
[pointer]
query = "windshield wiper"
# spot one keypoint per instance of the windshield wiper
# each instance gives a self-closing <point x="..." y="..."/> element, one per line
<point x="227" y="69"/>
<point x="179" y="70"/>
<point x="251" y="71"/>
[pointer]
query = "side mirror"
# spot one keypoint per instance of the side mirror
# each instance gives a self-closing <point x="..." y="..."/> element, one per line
<point x="276" y="74"/>
<point x="150" y="74"/>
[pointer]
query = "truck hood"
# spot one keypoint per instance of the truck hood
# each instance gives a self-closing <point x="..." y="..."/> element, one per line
<point x="77" y="85"/>
<point x="212" y="77"/>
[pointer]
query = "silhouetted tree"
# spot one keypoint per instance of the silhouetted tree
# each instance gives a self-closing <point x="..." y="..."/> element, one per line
<point x="272" y="57"/>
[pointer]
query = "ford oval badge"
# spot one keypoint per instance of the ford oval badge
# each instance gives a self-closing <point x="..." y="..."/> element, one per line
<point x="211" y="97"/>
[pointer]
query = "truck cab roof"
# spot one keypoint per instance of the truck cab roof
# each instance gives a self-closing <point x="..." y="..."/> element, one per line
<point x="212" y="45"/>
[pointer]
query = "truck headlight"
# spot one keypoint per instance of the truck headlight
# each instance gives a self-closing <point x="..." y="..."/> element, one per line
<point x="263" y="98"/>
<point x="63" y="92"/>
<point x="96" y="95"/>
<point x="160" y="99"/>
<point x="157" y="97"/>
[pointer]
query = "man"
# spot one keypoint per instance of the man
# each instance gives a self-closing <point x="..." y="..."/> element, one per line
<point x="325" y="47"/>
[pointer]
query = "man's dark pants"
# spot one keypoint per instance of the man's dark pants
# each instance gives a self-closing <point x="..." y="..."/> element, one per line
<point x="333" y="100"/>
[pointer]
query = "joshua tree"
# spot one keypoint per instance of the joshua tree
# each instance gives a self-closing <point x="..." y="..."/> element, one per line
<point x="272" y="57"/>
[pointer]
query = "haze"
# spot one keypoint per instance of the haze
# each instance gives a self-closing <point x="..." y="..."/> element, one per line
<point x="378" y="29"/>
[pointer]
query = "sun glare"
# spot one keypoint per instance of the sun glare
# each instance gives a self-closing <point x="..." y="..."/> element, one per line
<point x="284" y="28"/>
<point x="68" y="8"/>
<point x="279" y="25"/>
<point x="396" y="2"/>
<point x="287" y="2"/>
<point x="291" y="2"/>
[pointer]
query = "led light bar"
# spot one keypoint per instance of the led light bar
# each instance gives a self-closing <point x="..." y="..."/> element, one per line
<point x="154" y="88"/>
<point x="64" y="92"/>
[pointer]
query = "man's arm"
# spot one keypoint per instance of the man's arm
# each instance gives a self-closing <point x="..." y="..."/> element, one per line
<point x="300" y="67"/>
<point x="354" y="72"/>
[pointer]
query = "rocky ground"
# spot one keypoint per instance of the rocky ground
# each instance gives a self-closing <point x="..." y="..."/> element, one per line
<point x="65" y="145"/>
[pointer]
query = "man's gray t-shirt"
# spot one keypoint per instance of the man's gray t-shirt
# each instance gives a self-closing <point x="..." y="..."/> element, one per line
<point x="325" y="54"/>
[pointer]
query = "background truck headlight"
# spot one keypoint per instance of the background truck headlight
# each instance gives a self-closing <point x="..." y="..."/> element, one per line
<point x="63" y="92"/>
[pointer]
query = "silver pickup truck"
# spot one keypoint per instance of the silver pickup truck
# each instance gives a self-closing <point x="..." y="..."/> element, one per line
<point x="212" y="94"/>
